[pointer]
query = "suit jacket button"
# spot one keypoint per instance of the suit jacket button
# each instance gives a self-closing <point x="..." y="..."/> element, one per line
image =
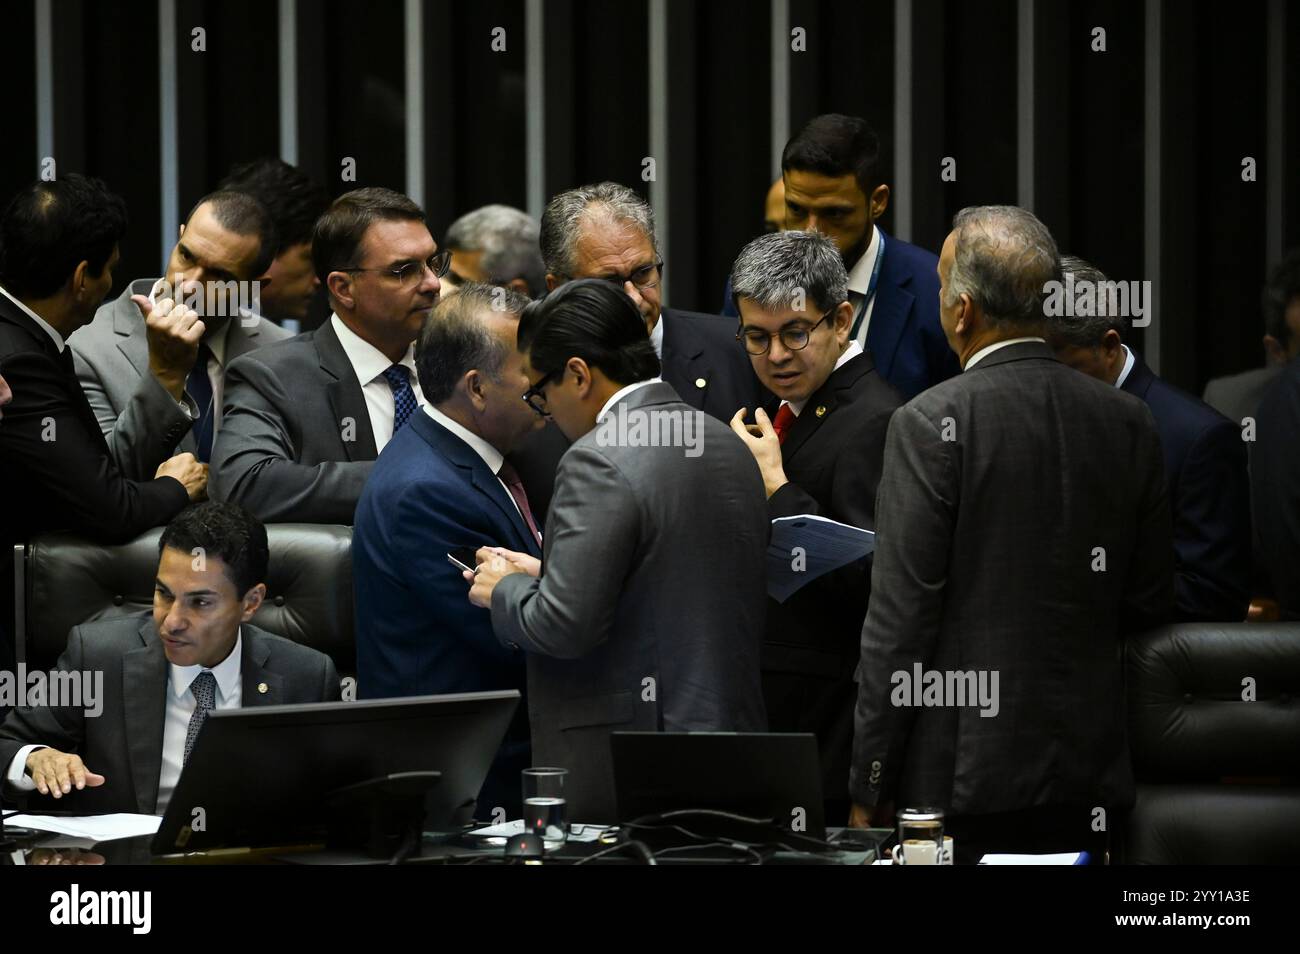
<point x="118" y="600"/>
<point x="262" y="688"/>
<point x="278" y="601"/>
<point x="875" y="766"/>
<point x="700" y="382"/>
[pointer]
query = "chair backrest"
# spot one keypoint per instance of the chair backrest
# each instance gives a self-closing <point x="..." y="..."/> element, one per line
<point x="69" y="580"/>
<point x="1214" y="725"/>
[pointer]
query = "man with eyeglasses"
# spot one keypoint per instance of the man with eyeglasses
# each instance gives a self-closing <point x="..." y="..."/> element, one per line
<point x="305" y="419"/>
<point x="821" y="455"/>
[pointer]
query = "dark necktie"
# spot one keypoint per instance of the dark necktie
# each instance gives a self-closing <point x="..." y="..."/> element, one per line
<point x="199" y="386"/>
<point x="404" y="403"/>
<point x="204" y="688"/>
<point x="510" y="477"/>
<point x="784" y="418"/>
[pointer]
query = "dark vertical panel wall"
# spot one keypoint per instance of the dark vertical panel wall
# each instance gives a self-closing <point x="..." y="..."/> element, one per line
<point x="611" y="91"/>
<point x="18" y="74"/>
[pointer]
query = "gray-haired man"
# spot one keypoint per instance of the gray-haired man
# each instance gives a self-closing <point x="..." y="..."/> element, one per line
<point x="496" y="245"/>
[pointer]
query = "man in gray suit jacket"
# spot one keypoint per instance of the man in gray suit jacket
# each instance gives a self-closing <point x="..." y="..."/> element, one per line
<point x="147" y="684"/>
<point x="647" y="610"/>
<point x="1022" y="527"/>
<point x="153" y="361"/>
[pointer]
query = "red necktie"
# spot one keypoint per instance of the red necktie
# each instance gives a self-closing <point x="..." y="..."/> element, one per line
<point x="510" y="477"/>
<point x="784" y="418"/>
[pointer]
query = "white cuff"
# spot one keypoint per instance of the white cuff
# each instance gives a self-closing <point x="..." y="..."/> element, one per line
<point x="17" y="776"/>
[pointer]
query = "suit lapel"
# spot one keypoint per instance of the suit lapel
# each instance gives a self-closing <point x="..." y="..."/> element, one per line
<point x="823" y="403"/>
<point x="260" y="686"/>
<point x="345" y="396"/>
<point x="683" y="362"/>
<point x="240" y="339"/>
<point x="129" y="327"/>
<point x="891" y="313"/>
<point x="144" y="695"/>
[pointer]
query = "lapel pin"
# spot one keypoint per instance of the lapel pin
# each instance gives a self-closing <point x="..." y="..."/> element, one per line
<point x="821" y="410"/>
<point x="700" y="382"/>
<point x="262" y="688"/>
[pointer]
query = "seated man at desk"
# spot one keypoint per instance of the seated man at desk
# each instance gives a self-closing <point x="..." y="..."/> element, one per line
<point x="148" y="683"/>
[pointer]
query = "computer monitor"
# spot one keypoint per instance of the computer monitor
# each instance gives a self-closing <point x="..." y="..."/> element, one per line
<point x="260" y="776"/>
<point x="773" y="775"/>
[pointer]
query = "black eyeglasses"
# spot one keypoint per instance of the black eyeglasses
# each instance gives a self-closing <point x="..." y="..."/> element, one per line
<point x="536" y="392"/>
<point x="410" y="274"/>
<point x="794" y="339"/>
<point x="645" y="277"/>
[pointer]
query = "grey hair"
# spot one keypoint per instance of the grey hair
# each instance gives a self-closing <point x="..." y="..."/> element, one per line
<point x="603" y="202"/>
<point x="508" y="239"/>
<point x="1086" y="331"/>
<point x="774" y="268"/>
<point x="455" y="340"/>
<point x="1003" y="259"/>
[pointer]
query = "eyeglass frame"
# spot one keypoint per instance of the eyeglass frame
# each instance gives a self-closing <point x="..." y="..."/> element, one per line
<point x="535" y="390"/>
<point x="397" y="272"/>
<point x="740" y="336"/>
<point x="621" y="280"/>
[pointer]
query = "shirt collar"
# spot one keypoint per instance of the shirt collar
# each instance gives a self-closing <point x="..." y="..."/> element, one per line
<point x="48" y="328"/>
<point x="227" y="672"/>
<point x="367" y="360"/>
<point x="624" y="392"/>
<point x="657" y="337"/>
<point x="491" y="456"/>
<point x="987" y="350"/>
<point x="1129" y="360"/>
<point x="860" y="274"/>
<point x="852" y="351"/>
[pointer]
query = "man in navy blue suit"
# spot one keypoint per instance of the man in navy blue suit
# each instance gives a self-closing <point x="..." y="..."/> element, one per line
<point x="1205" y="456"/>
<point x="831" y="170"/>
<point x="442" y="485"/>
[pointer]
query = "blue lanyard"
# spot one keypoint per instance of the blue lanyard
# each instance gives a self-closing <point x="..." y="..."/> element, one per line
<point x="871" y="287"/>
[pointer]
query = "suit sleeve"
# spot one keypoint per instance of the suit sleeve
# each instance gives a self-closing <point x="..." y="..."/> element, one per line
<point x="1212" y="528"/>
<point x="255" y="460"/>
<point x="43" y="434"/>
<point x="1149" y="592"/>
<point x="593" y="536"/>
<point x="150" y="426"/>
<point x="332" y="686"/>
<point x="916" y="511"/>
<point x="61" y="728"/>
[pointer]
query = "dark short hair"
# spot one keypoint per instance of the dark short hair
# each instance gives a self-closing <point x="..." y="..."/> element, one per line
<point x="591" y="319"/>
<point x="836" y="145"/>
<point x="290" y="196"/>
<point x="243" y="214"/>
<point x="49" y="228"/>
<point x="1086" y="331"/>
<point x="340" y="231"/>
<point x="1282" y="288"/>
<point x="223" y="530"/>
<point x="454" y="341"/>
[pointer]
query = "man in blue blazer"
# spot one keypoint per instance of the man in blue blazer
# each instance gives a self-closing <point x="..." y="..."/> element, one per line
<point x="442" y="485"/>
<point x="831" y="170"/>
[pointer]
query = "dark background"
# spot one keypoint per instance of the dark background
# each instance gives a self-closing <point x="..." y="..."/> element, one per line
<point x="1090" y="114"/>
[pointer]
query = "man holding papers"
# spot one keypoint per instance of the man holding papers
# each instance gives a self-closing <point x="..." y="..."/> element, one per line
<point x="820" y="455"/>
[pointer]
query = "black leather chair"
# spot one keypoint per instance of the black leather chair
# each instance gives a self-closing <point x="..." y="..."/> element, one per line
<point x="1218" y="776"/>
<point x="67" y="580"/>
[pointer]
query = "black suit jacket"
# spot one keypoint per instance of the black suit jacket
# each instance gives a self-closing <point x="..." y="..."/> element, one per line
<point x="707" y="366"/>
<point x="832" y="455"/>
<point x="1209" y="495"/>
<point x="1022" y="527"/>
<point x="124" y="741"/>
<point x="1275" y="486"/>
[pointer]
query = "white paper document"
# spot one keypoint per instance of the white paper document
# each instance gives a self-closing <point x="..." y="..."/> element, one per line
<point x="94" y="828"/>
<point x="577" y="832"/>
<point x="1064" y="858"/>
<point x="805" y="547"/>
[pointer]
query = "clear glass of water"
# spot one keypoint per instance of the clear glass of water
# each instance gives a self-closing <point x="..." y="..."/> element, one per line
<point x="545" y="808"/>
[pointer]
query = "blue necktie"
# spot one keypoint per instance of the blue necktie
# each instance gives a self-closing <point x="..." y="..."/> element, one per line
<point x="404" y="403"/>
<point x="199" y="386"/>
<point x="204" y="688"/>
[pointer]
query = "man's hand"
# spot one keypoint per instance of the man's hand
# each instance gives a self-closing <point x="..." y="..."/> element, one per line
<point x="763" y="443"/>
<point x="57" y="773"/>
<point x="491" y="568"/>
<point x="187" y="469"/>
<point x="860" y="816"/>
<point x="173" y="333"/>
<point x="6" y="395"/>
<point x="523" y="561"/>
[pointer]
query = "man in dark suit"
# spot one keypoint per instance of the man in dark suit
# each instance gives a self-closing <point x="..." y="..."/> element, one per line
<point x="833" y="185"/>
<point x="1011" y="555"/>
<point x="1205" y="456"/>
<point x="648" y="611"/>
<point x="306" y="418"/>
<point x="1275" y="487"/>
<point x="822" y="455"/>
<point x="443" y="486"/>
<point x="59" y="243"/>
<point x="153" y="361"/>
<point x="147" y="685"/>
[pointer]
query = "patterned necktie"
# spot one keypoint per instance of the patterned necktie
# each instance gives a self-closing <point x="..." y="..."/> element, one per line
<point x="784" y="418"/>
<point x="404" y="403"/>
<point x="199" y="386"/>
<point x="204" y="688"/>
<point x="510" y="477"/>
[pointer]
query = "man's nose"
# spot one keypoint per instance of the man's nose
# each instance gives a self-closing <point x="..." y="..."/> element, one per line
<point x="777" y="352"/>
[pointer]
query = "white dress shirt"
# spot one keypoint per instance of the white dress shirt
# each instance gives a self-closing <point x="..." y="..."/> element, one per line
<point x="987" y="350"/>
<point x="1129" y="361"/>
<point x="45" y="325"/>
<point x="180" y="707"/>
<point x="657" y="337"/>
<point x="370" y="363"/>
<point x="852" y="351"/>
<point x="621" y="393"/>
<point x="490" y="455"/>
<point x="860" y="282"/>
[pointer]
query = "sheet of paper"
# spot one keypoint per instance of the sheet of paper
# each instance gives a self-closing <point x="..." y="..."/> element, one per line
<point x="1064" y="858"/>
<point x="96" y="828"/>
<point x="577" y="832"/>
<point x="826" y="545"/>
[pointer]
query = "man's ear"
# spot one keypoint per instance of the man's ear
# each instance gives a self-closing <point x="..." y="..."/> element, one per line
<point x="340" y="286"/>
<point x="843" y="322"/>
<point x="252" y="602"/>
<point x="1110" y="341"/>
<point x="473" y="382"/>
<point x="879" y="201"/>
<point x="1274" y="353"/>
<point x="578" y="368"/>
<point x="519" y="285"/>
<point x="966" y="317"/>
<point x="79" y="276"/>
<point x="552" y="282"/>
